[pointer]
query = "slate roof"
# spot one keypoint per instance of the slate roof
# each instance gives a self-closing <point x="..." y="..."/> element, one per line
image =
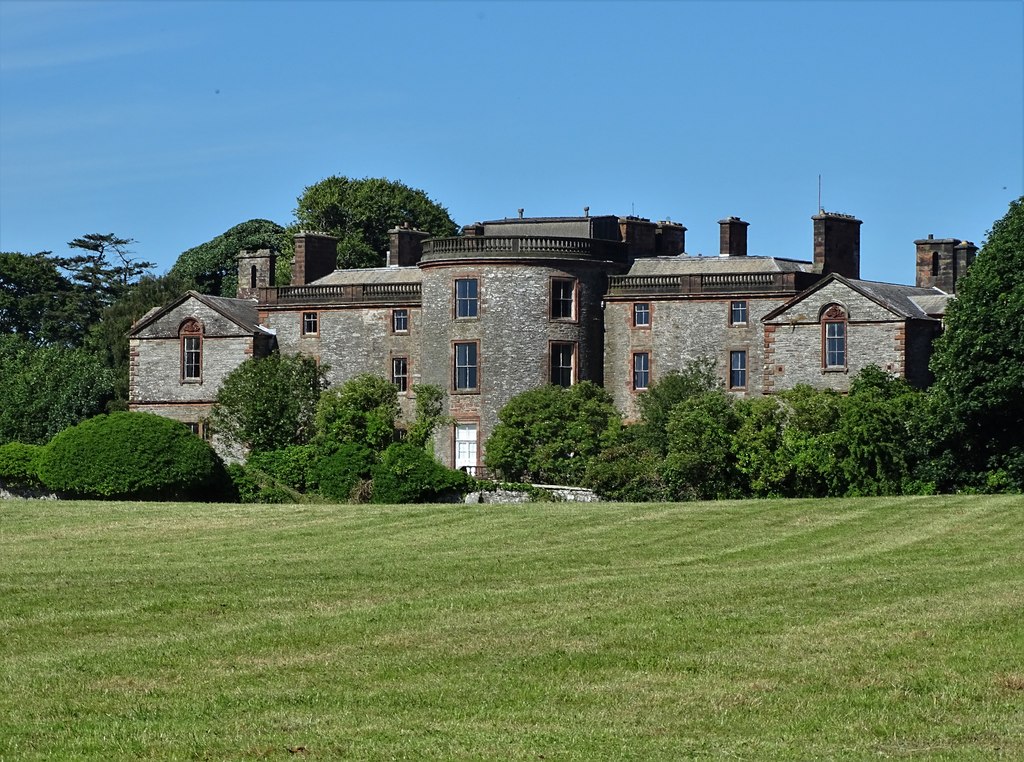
<point x="686" y="264"/>
<point x="908" y="302"/>
<point x="903" y="300"/>
<point x="371" y="275"/>
<point x="242" y="312"/>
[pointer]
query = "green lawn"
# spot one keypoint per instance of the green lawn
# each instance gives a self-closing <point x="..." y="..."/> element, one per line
<point x="869" y="628"/>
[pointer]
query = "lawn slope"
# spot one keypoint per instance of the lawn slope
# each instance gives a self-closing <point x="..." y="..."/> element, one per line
<point x="868" y="628"/>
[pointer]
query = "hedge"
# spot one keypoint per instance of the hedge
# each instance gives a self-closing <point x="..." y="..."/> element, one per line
<point x="132" y="456"/>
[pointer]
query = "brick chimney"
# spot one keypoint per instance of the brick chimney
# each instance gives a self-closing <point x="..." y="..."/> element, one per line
<point x="406" y="246"/>
<point x="732" y="237"/>
<point x="316" y="255"/>
<point x="837" y="244"/>
<point x="256" y="270"/>
<point x="639" y="234"/>
<point x="670" y="239"/>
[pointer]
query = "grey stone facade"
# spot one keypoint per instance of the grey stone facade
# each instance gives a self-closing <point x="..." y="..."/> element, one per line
<point x="557" y="299"/>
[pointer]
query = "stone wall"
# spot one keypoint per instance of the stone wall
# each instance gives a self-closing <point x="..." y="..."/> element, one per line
<point x="514" y="330"/>
<point x="681" y="332"/>
<point x="794" y="344"/>
<point x="353" y="341"/>
<point x="155" y="357"/>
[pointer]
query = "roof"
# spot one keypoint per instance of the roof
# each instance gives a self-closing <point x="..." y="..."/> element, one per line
<point x="686" y="264"/>
<point x="903" y="300"/>
<point x="908" y="302"/>
<point x="241" y="312"/>
<point x="371" y="275"/>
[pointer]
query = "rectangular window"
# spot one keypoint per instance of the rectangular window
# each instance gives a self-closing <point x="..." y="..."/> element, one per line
<point x="563" y="299"/>
<point x="191" y="358"/>
<point x="310" y="323"/>
<point x="400" y="321"/>
<point x="466" y="297"/>
<point x="466" y="369"/>
<point x="738" y="370"/>
<point x="562" y="356"/>
<point x="400" y="373"/>
<point x="641" y="315"/>
<point x="641" y="370"/>
<point x="835" y="345"/>
<point x="738" y="313"/>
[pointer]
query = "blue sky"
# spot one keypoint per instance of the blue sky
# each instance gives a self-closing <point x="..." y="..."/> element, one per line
<point x="171" y="122"/>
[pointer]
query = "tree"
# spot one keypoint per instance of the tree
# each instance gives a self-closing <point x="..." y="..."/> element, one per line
<point x="360" y="213"/>
<point x="37" y="301"/>
<point x="550" y="434"/>
<point x="361" y="411"/>
<point x="979" y="368"/>
<point x="122" y="272"/>
<point x="269" y="403"/>
<point x="44" y="390"/>
<point x="212" y="267"/>
<point x="700" y="464"/>
<point x="664" y="394"/>
<point x="878" y="437"/>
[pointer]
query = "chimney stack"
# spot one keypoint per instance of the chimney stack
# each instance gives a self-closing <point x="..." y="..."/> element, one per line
<point x="670" y="239"/>
<point x="406" y="246"/>
<point x="837" y="244"/>
<point x="316" y="255"/>
<point x="732" y="237"/>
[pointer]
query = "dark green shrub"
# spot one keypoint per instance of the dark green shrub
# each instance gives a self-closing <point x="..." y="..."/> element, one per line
<point x="256" y="487"/>
<point x="292" y="467"/>
<point x="132" y="456"/>
<point x="343" y="470"/>
<point x="408" y="474"/>
<point x="19" y="465"/>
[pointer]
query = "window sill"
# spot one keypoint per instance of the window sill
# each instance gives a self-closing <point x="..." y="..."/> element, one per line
<point x="835" y="369"/>
<point x="190" y="381"/>
<point x="465" y="391"/>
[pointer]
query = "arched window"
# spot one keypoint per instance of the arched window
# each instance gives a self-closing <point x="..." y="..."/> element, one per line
<point x="191" y="337"/>
<point x="833" y="337"/>
<point x="252" y="277"/>
<point x="935" y="263"/>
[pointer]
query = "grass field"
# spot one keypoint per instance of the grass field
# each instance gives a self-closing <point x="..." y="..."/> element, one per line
<point x="869" y="628"/>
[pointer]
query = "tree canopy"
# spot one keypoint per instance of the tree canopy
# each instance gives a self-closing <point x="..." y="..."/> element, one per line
<point x="360" y="213"/>
<point x="979" y="367"/>
<point x="270" y="403"/>
<point x="212" y="267"/>
<point x="43" y="390"/>
<point x="550" y="434"/>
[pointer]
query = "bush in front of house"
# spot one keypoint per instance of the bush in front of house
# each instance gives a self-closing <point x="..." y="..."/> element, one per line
<point x="408" y="474"/>
<point x="253" y="486"/>
<point x="19" y="465"/>
<point x="341" y="472"/>
<point x="136" y="456"/>
<point x="292" y="467"/>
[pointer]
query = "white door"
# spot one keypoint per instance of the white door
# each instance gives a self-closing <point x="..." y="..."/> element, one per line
<point x="465" y="446"/>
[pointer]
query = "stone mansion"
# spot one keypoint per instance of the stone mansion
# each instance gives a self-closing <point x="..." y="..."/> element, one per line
<point x="513" y="304"/>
